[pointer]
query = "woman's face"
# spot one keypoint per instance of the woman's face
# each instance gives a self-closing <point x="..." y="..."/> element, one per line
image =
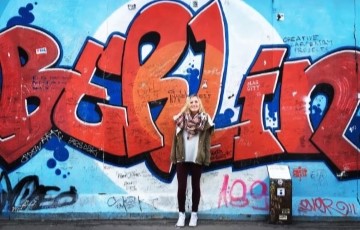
<point x="194" y="105"/>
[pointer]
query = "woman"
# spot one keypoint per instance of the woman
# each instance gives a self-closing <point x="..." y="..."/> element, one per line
<point x="190" y="152"/>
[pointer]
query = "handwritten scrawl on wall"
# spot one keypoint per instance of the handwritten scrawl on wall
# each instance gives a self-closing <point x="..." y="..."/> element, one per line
<point x="117" y="104"/>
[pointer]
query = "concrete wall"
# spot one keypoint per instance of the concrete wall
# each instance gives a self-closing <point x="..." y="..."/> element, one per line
<point x="89" y="89"/>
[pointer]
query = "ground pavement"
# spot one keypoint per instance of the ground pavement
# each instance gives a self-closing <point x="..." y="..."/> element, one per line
<point x="170" y="224"/>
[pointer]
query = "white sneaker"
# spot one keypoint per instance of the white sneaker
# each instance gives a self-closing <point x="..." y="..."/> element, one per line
<point x="181" y="220"/>
<point x="193" y="219"/>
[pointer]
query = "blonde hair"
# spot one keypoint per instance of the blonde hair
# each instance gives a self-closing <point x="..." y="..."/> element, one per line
<point x="186" y="107"/>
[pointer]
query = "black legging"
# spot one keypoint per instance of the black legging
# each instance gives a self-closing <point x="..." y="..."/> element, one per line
<point x="183" y="170"/>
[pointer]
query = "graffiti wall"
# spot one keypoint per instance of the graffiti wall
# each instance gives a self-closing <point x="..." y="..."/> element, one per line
<point x="88" y="91"/>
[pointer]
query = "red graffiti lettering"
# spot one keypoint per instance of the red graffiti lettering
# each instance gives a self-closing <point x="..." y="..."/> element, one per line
<point x="300" y="172"/>
<point x="255" y="141"/>
<point x="107" y="134"/>
<point x="295" y="131"/>
<point x="208" y="28"/>
<point x="222" y="144"/>
<point x="327" y="207"/>
<point x="111" y="58"/>
<point x="262" y="195"/>
<point x="241" y="200"/>
<point x="36" y="96"/>
<point x="223" y="192"/>
<point x="145" y="83"/>
<point x="25" y="59"/>
<point x="269" y="59"/>
<point x="238" y="194"/>
<point x="341" y="77"/>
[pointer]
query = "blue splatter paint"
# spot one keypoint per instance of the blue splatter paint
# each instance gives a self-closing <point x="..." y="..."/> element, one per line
<point x="318" y="106"/>
<point x="54" y="143"/>
<point x="51" y="163"/>
<point x="61" y="154"/>
<point x="25" y="18"/>
<point x="58" y="172"/>
<point x="224" y="119"/>
<point x="192" y="77"/>
<point x="189" y="69"/>
<point x="270" y="118"/>
<point x="65" y="175"/>
<point x="353" y="130"/>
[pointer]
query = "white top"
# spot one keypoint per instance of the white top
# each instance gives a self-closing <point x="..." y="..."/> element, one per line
<point x="191" y="147"/>
<point x="279" y="171"/>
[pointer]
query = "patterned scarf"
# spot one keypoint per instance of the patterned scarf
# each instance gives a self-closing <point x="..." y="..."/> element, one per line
<point x="192" y="125"/>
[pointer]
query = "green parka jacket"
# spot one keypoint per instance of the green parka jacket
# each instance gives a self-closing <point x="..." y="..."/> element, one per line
<point x="203" y="155"/>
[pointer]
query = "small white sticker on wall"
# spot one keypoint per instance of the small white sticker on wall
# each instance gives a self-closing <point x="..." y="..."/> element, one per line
<point x="280" y="192"/>
<point x="42" y="50"/>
